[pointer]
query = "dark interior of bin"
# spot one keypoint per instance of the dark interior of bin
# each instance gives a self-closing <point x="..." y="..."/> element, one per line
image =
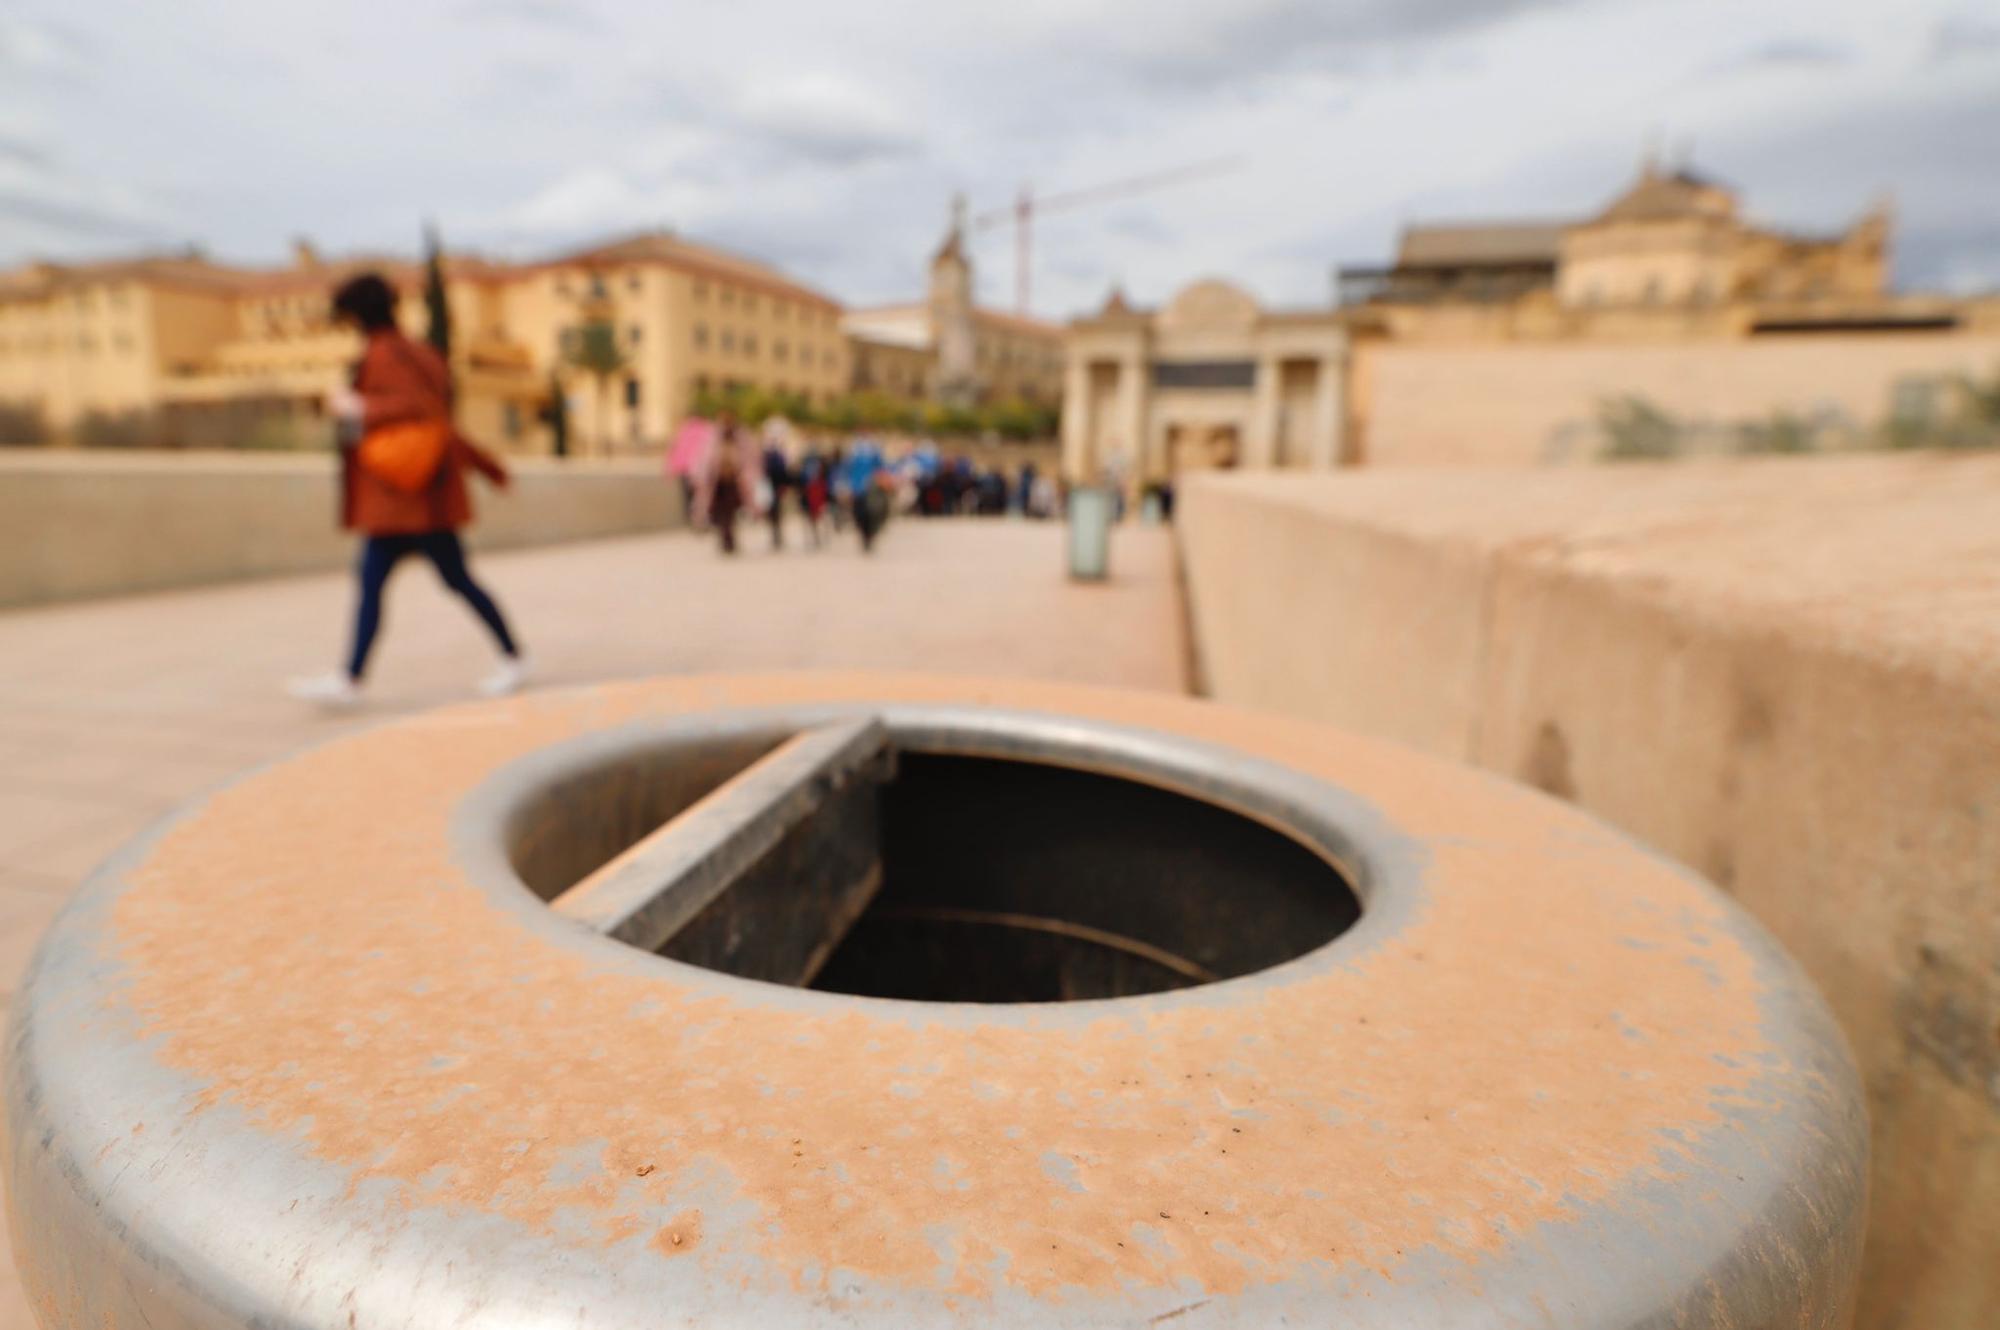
<point x="1003" y="880"/>
<point x="985" y="862"/>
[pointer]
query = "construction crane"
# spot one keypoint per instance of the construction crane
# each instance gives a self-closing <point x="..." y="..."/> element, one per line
<point x="1025" y="208"/>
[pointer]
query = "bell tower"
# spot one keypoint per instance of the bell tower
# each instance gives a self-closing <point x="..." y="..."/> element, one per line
<point x="951" y="311"/>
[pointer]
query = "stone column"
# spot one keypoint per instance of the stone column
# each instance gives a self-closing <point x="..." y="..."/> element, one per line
<point x="1077" y="412"/>
<point x="1130" y="447"/>
<point x="1260" y="443"/>
<point x="1328" y="408"/>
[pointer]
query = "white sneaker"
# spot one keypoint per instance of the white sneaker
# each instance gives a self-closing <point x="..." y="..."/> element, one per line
<point x="507" y="678"/>
<point x="333" y="690"/>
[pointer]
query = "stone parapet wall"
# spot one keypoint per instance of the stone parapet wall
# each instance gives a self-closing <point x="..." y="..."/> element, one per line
<point x="1474" y="402"/>
<point x="1785" y="673"/>
<point x="76" y="524"/>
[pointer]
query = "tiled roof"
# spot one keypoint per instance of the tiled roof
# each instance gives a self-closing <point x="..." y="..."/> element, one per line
<point x="194" y="272"/>
<point x="676" y="252"/>
<point x="1019" y="323"/>
<point x="1677" y="194"/>
<point x="1480" y="244"/>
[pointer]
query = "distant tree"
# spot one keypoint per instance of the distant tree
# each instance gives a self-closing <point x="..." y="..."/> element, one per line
<point x="592" y="348"/>
<point x="22" y="423"/>
<point x="950" y="420"/>
<point x="1979" y="411"/>
<point x="1634" y="428"/>
<point x="1016" y="419"/>
<point x="840" y="414"/>
<point x="1973" y="420"/>
<point x="555" y="414"/>
<point x="1783" y="432"/>
<point x="137" y="428"/>
<point x="756" y="405"/>
<point x="797" y="408"/>
<point x="878" y="410"/>
<point x="435" y="303"/>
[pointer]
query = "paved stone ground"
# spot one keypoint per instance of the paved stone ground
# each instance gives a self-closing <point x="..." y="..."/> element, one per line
<point x="112" y="712"/>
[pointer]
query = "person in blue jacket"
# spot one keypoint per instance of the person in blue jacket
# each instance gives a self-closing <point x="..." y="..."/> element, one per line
<point x="861" y="479"/>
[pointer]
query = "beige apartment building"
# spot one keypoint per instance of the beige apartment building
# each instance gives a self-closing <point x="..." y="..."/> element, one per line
<point x="948" y="347"/>
<point x="1209" y="381"/>
<point x="688" y="318"/>
<point x="182" y="351"/>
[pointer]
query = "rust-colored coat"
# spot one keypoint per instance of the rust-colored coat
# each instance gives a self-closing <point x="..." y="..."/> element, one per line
<point x="400" y="380"/>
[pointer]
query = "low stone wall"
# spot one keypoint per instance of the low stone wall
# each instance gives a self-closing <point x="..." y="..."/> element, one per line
<point x="1784" y="673"/>
<point x="1518" y="403"/>
<point x="76" y="524"/>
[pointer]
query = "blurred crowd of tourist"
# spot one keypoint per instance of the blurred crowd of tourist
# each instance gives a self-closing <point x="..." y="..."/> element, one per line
<point x="731" y="473"/>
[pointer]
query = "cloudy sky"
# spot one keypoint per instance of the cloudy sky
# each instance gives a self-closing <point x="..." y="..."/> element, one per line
<point x="829" y="137"/>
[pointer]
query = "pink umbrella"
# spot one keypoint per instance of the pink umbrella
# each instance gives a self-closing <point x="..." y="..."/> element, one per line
<point x="690" y="446"/>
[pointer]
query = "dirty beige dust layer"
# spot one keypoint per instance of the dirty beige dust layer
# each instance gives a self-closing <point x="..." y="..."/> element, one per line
<point x="1560" y="1006"/>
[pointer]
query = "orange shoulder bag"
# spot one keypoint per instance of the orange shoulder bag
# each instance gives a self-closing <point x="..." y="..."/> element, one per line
<point x="407" y="455"/>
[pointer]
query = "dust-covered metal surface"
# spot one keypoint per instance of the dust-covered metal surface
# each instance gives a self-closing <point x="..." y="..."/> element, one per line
<point x="314" y="1052"/>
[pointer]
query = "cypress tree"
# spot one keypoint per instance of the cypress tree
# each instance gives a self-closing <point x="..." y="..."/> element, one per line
<point x="439" y="334"/>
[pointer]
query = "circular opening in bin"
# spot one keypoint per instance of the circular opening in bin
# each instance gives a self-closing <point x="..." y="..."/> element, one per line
<point x="933" y="871"/>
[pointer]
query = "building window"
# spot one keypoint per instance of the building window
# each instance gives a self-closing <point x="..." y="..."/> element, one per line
<point x="781" y="351"/>
<point x="728" y="295"/>
<point x="510" y="420"/>
<point x="1235" y="374"/>
<point x="728" y="340"/>
<point x="780" y="310"/>
<point x="124" y="341"/>
<point x="701" y="334"/>
<point x="1651" y="293"/>
<point x="632" y="393"/>
<point x="632" y="334"/>
<point x="749" y="304"/>
<point x="749" y="344"/>
<point x="634" y="283"/>
<point x="701" y="291"/>
<point x="562" y="286"/>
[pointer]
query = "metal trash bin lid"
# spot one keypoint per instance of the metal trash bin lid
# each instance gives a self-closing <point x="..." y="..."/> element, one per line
<point x="313" y="1053"/>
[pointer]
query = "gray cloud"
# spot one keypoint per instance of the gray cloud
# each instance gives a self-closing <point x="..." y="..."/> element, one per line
<point x="1788" y="53"/>
<point x="80" y="219"/>
<point x="32" y="48"/>
<point x="23" y="153"/>
<point x="1960" y="37"/>
<point x="1243" y="44"/>
<point x="549" y="15"/>
<point x="789" y="129"/>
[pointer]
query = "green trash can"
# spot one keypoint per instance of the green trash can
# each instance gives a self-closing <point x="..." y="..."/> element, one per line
<point x="1091" y="510"/>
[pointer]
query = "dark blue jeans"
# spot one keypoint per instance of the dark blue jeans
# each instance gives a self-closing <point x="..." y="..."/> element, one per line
<point x="379" y="557"/>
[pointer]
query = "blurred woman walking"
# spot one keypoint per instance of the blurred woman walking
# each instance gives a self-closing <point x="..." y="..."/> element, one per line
<point x="728" y="483"/>
<point x="403" y="484"/>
